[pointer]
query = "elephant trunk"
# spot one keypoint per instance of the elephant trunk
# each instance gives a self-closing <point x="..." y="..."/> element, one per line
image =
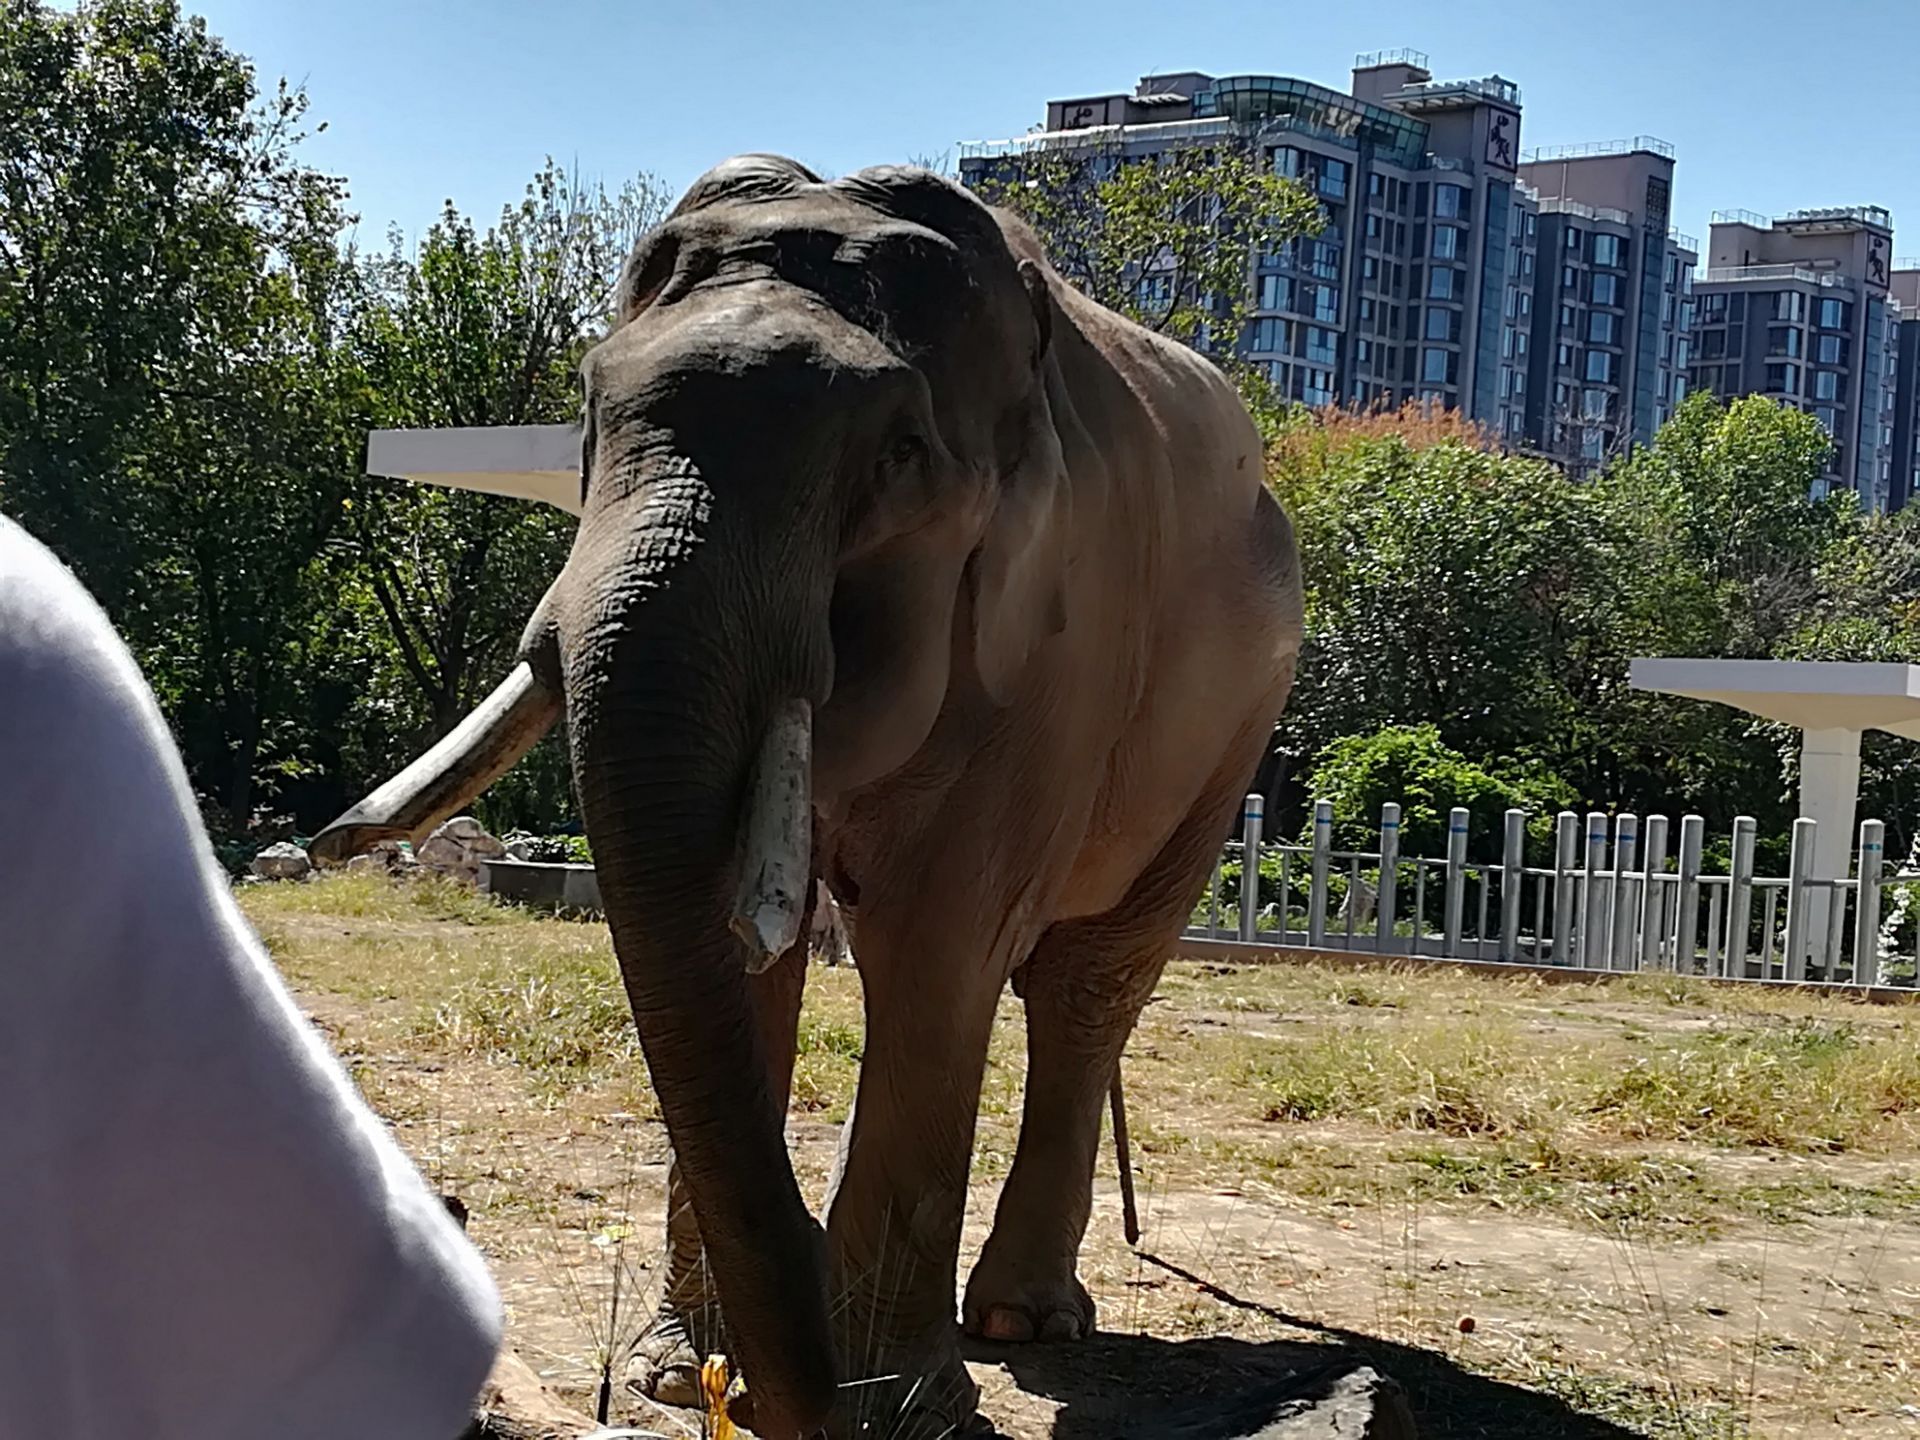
<point x="687" y="693"/>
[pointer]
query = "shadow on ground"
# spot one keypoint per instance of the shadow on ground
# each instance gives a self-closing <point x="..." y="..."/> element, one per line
<point x="1138" y="1387"/>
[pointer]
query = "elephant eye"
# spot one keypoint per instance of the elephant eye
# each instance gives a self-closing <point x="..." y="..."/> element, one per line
<point x="907" y="450"/>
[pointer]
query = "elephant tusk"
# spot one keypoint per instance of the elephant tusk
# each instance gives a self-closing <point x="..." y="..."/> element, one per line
<point x="778" y="861"/>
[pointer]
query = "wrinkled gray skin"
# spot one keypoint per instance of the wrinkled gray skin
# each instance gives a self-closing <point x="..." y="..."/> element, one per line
<point x="854" y="442"/>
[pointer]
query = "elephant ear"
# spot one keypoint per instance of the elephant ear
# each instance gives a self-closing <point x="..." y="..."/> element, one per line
<point x="1018" y="576"/>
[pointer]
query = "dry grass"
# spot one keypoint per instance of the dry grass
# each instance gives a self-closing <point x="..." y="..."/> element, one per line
<point x="1691" y="1210"/>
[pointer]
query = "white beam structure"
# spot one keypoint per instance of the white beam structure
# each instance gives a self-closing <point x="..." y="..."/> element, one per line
<point x="1831" y="703"/>
<point x="529" y="462"/>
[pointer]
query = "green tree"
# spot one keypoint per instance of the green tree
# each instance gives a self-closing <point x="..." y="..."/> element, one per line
<point x="480" y="328"/>
<point x="170" y="296"/>
<point x="1411" y="766"/>
<point x="1167" y="240"/>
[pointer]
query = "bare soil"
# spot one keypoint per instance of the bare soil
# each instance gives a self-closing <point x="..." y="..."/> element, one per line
<point x="1535" y="1269"/>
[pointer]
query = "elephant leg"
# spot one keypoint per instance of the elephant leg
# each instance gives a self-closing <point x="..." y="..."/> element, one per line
<point x="1084" y="988"/>
<point x="688" y="1326"/>
<point x="899" y="1194"/>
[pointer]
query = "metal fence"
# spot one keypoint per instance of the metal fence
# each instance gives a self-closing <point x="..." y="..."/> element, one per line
<point x="1615" y="898"/>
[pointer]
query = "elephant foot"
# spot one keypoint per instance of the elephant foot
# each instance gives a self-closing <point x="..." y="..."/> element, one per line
<point x="666" y="1364"/>
<point x="1009" y="1307"/>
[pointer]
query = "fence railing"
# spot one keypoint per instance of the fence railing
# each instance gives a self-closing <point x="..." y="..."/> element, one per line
<point x="1618" y="895"/>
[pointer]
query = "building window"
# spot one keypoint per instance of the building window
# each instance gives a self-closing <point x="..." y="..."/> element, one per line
<point x="1520" y="345"/>
<point x="1569" y="278"/>
<point x="1789" y="305"/>
<point x="1276" y="292"/>
<point x="1326" y="260"/>
<point x="1376" y="186"/>
<point x="1333" y="179"/>
<point x="1526" y="263"/>
<point x="1319" y="345"/>
<point x="1601" y="327"/>
<point x="1783" y="379"/>
<point x="1326" y="303"/>
<point x="1506" y="342"/>
<point x="1826" y="385"/>
<point x="1830" y="350"/>
<point x="1286" y="161"/>
<point x="1526" y="305"/>
<point x="1606" y="249"/>
<point x="1446" y="242"/>
<point x="1434" y="364"/>
<point x="1533" y="224"/>
<point x="1513" y="303"/>
<point x="1369" y="268"/>
<point x="1317" y="387"/>
<point x="1440" y="283"/>
<point x="1606" y="290"/>
<point x="1363" y="352"/>
<point x="1572" y="241"/>
<point x="1440" y="323"/>
<point x="1593" y="443"/>
<point x="1366" y="309"/>
<point x="1673" y="271"/>
<point x="1272" y="336"/>
<point x="1593" y="404"/>
<point x="1566" y="317"/>
<point x="1373" y="227"/>
<point x="1520" y="379"/>
<point x="1447" y="202"/>
<point x="1599" y="366"/>
<point x="1833" y="314"/>
<point x="1564" y="357"/>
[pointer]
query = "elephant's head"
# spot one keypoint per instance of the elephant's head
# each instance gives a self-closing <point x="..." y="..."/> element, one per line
<point x="820" y="481"/>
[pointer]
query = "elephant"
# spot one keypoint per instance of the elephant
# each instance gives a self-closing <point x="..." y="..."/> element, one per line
<point x="904" y="567"/>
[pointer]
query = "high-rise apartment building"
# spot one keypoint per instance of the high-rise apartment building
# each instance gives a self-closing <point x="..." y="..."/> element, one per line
<point x="1611" y="299"/>
<point x="1543" y="295"/>
<point x="1903" y="479"/>
<point x="1799" y="308"/>
<point x="1421" y="283"/>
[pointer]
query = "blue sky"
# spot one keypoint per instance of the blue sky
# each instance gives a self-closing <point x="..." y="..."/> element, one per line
<point x="1771" y="105"/>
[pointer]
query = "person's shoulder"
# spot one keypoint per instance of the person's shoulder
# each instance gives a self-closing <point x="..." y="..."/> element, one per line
<point x="71" y="686"/>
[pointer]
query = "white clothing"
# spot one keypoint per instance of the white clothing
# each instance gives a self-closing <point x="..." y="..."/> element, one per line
<point x="204" y="1232"/>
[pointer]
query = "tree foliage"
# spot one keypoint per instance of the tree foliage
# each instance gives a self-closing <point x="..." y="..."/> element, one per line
<point x="1168" y="240"/>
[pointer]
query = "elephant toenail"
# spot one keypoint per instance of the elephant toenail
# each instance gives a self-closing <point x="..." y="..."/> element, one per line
<point x="1008" y="1325"/>
<point x="1060" y="1325"/>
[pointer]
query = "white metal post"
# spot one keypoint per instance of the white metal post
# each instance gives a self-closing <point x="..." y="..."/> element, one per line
<point x="1251" y="819"/>
<point x="1626" y="837"/>
<point x="1383" y="911"/>
<point x="1593" y="915"/>
<point x="1512" y="870"/>
<point x="1653" y="896"/>
<point x="1566" y="847"/>
<point x="1456" y="877"/>
<point x="1866" y="912"/>
<point x="1799" y="872"/>
<point x="1739" y="899"/>
<point x="1686" y="927"/>
<point x="1322" y="853"/>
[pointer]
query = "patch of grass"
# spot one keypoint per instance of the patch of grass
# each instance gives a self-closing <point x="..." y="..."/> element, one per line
<point x="1811" y="1084"/>
<point x="1421" y="1075"/>
<point x="369" y="895"/>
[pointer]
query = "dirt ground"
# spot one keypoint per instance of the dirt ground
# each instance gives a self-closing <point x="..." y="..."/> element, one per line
<point x="1648" y="1208"/>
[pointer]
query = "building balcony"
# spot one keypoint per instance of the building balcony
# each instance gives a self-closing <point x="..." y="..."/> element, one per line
<point x="1554" y="205"/>
<point x="1749" y="274"/>
<point x="1642" y="144"/>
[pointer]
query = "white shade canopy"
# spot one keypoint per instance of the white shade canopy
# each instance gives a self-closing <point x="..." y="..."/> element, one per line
<point x="530" y="462"/>
<point x="1810" y="694"/>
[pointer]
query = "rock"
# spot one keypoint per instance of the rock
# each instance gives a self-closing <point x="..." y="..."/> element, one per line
<point x="1356" y="1403"/>
<point x="520" y="850"/>
<point x="516" y="1405"/>
<point x="282" y="861"/>
<point x="386" y="856"/>
<point x="458" y="847"/>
